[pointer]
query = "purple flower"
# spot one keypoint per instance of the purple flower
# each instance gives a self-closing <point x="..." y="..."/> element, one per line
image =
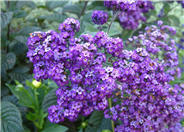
<point x="131" y="11"/>
<point x="99" y="17"/>
<point x="70" y="26"/>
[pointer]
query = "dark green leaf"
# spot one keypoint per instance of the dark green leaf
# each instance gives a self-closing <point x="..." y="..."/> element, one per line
<point x="72" y="9"/>
<point x="21" y="69"/>
<point x="10" y="5"/>
<point x="105" y="124"/>
<point x="56" y="128"/>
<point x="6" y="18"/>
<point x="10" y="60"/>
<point x="22" y="39"/>
<point x="20" y="14"/>
<point x="11" y="98"/>
<point x="127" y="34"/>
<point x="95" y="121"/>
<point x="22" y="94"/>
<point x="30" y="4"/>
<point x="49" y="99"/>
<point x="10" y="118"/>
<point x="18" y="76"/>
<point x="29" y="29"/>
<point x="18" y="48"/>
<point x="55" y="4"/>
<point x="4" y="91"/>
<point x="54" y="17"/>
<point x="91" y="29"/>
<point x="175" y="21"/>
<point x="166" y="7"/>
<point x="87" y="17"/>
<point x="115" y="29"/>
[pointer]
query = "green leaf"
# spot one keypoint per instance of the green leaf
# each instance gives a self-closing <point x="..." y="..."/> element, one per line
<point x="10" y="118"/>
<point x="37" y="118"/>
<point x="10" y="98"/>
<point x="21" y="4"/>
<point x="18" y="48"/>
<point x="19" y="76"/>
<point x="56" y="128"/>
<point x="4" y="91"/>
<point x="25" y="98"/>
<point x="175" y="21"/>
<point x="55" y="4"/>
<point x="19" y="14"/>
<point x="21" y="69"/>
<point x="3" y="70"/>
<point x="87" y="17"/>
<point x="49" y="99"/>
<point x="54" y="17"/>
<point x="115" y="29"/>
<point x="29" y="29"/>
<point x="105" y="124"/>
<point x="10" y="60"/>
<point x="22" y="39"/>
<point x="10" y="5"/>
<point x="91" y="29"/>
<point x="6" y="18"/>
<point x="166" y="7"/>
<point x="72" y="9"/>
<point x="127" y="34"/>
<point x="95" y="121"/>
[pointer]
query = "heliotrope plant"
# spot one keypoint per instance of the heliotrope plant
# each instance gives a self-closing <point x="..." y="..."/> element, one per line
<point x="130" y="12"/>
<point x="99" y="73"/>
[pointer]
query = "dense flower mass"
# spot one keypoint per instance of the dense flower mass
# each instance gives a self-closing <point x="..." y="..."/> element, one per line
<point x="91" y="69"/>
<point x="157" y="42"/>
<point x="148" y="102"/>
<point x="131" y="11"/>
<point x="76" y="65"/>
<point x="99" y="17"/>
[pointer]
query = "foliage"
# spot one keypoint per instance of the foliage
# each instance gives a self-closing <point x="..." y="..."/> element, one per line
<point x="11" y="118"/>
<point x="32" y="97"/>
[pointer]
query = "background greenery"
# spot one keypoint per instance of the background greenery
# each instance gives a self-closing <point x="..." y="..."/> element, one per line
<point x="24" y="104"/>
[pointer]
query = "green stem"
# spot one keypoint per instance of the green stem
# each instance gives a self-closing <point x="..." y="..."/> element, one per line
<point x="113" y="18"/>
<point x="36" y="99"/>
<point x="110" y="106"/>
<point x="84" y="8"/>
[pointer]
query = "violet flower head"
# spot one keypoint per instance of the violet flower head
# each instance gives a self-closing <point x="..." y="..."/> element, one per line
<point x="99" y="17"/>
<point x="70" y="25"/>
<point x="131" y="11"/>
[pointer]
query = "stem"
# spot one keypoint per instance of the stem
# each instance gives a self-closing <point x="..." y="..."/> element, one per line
<point x="110" y="106"/>
<point x="113" y="18"/>
<point x="170" y="11"/>
<point x="36" y="99"/>
<point x="8" y="30"/>
<point x="84" y="8"/>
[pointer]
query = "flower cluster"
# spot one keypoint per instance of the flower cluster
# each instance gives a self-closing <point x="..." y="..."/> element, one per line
<point x="131" y="11"/>
<point x="77" y="66"/>
<point x="122" y="5"/>
<point x="91" y="69"/>
<point x="99" y="17"/>
<point x="113" y="46"/>
<point x="157" y="42"/>
<point x="148" y="102"/>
